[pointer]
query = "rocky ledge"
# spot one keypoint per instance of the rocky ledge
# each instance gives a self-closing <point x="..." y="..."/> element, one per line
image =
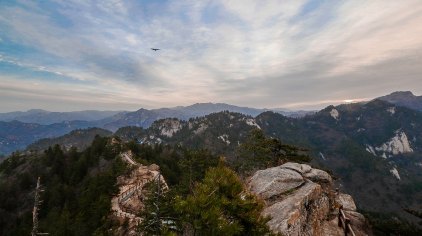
<point x="301" y="201"/>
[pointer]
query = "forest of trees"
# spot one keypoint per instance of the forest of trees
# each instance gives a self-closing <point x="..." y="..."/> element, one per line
<point x="78" y="189"/>
<point x="206" y="196"/>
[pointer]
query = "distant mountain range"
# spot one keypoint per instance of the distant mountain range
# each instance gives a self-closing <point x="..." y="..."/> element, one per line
<point x="144" y="118"/>
<point x="43" y="117"/>
<point x="16" y="135"/>
<point x="19" y="129"/>
<point x="141" y="117"/>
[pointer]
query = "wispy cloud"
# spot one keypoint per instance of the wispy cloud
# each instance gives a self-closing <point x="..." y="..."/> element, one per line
<point x="256" y="53"/>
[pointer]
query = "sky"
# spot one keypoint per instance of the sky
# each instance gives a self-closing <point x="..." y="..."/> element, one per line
<point x="78" y="54"/>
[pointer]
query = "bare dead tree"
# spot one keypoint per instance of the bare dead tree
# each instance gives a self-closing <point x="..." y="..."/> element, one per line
<point x="37" y="205"/>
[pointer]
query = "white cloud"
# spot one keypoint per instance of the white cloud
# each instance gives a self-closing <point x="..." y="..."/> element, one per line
<point x="257" y="53"/>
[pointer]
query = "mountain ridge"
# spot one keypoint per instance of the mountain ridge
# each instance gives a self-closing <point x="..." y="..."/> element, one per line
<point x="404" y="98"/>
<point x="144" y="118"/>
<point x="44" y="117"/>
<point x="385" y="179"/>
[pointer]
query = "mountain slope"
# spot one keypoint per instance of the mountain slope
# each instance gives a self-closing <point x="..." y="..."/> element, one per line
<point x="15" y="135"/>
<point x="144" y="118"/>
<point x="218" y="132"/>
<point x="80" y="139"/>
<point x="46" y="117"/>
<point x="78" y="189"/>
<point x="405" y="99"/>
<point x="375" y="153"/>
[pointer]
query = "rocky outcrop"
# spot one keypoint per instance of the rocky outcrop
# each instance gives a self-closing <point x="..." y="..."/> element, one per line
<point x="275" y="181"/>
<point x="129" y="202"/>
<point x="300" y="200"/>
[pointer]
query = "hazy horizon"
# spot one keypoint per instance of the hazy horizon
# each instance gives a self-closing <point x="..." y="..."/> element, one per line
<point x="328" y="103"/>
<point x="75" y="55"/>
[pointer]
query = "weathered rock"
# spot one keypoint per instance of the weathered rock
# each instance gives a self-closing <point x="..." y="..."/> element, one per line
<point x="331" y="228"/>
<point x="346" y="201"/>
<point x="319" y="176"/>
<point x="300" y="201"/>
<point x="130" y="197"/>
<point x="301" y="213"/>
<point x="301" y="168"/>
<point x="358" y="222"/>
<point x="274" y="181"/>
<point x="153" y="167"/>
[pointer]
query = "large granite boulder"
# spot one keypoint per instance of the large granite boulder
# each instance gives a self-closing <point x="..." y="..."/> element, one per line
<point x="319" y="176"/>
<point x="301" y="168"/>
<point x="289" y="215"/>
<point x="275" y="181"/>
<point x="300" y="200"/>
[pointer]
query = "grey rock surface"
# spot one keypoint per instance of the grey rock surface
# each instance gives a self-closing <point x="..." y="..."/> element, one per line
<point x="300" y="200"/>
<point x="346" y="201"/>
<point x="301" y="168"/>
<point x="274" y="181"/>
<point x="319" y="176"/>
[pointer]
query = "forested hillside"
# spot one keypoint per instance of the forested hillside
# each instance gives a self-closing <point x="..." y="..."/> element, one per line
<point x="79" y="186"/>
<point x="78" y="189"/>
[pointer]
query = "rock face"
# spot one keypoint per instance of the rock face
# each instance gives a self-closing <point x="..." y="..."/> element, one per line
<point x="396" y="145"/>
<point x="275" y="181"/>
<point x="301" y="201"/>
<point x="129" y="201"/>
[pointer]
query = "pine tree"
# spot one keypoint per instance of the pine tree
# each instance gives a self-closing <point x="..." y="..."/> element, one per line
<point x="220" y="205"/>
<point x="158" y="214"/>
<point x="259" y="151"/>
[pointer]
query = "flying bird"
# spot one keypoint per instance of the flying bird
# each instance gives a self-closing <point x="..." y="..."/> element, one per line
<point x="155" y="49"/>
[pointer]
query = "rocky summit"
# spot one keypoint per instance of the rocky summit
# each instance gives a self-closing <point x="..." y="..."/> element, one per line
<point x="301" y="200"/>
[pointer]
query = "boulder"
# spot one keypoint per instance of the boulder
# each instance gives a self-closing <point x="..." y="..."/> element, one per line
<point x="319" y="176"/>
<point x="301" y="213"/>
<point x="301" y="168"/>
<point x="274" y="181"/>
<point x="346" y="201"/>
<point x="358" y="222"/>
<point x="299" y="201"/>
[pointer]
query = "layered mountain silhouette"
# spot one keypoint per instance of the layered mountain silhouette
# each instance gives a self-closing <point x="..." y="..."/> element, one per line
<point x="19" y="129"/>
<point x="44" y="117"/>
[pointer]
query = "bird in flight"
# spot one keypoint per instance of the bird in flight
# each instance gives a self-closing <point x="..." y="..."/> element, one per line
<point x="155" y="49"/>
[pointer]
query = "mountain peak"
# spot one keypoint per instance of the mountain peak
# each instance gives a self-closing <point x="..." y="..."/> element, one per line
<point x="401" y="94"/>
<point x="405" y="99"/>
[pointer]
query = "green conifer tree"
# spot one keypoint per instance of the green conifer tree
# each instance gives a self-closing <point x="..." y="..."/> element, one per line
<point x="220" y="205"/>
